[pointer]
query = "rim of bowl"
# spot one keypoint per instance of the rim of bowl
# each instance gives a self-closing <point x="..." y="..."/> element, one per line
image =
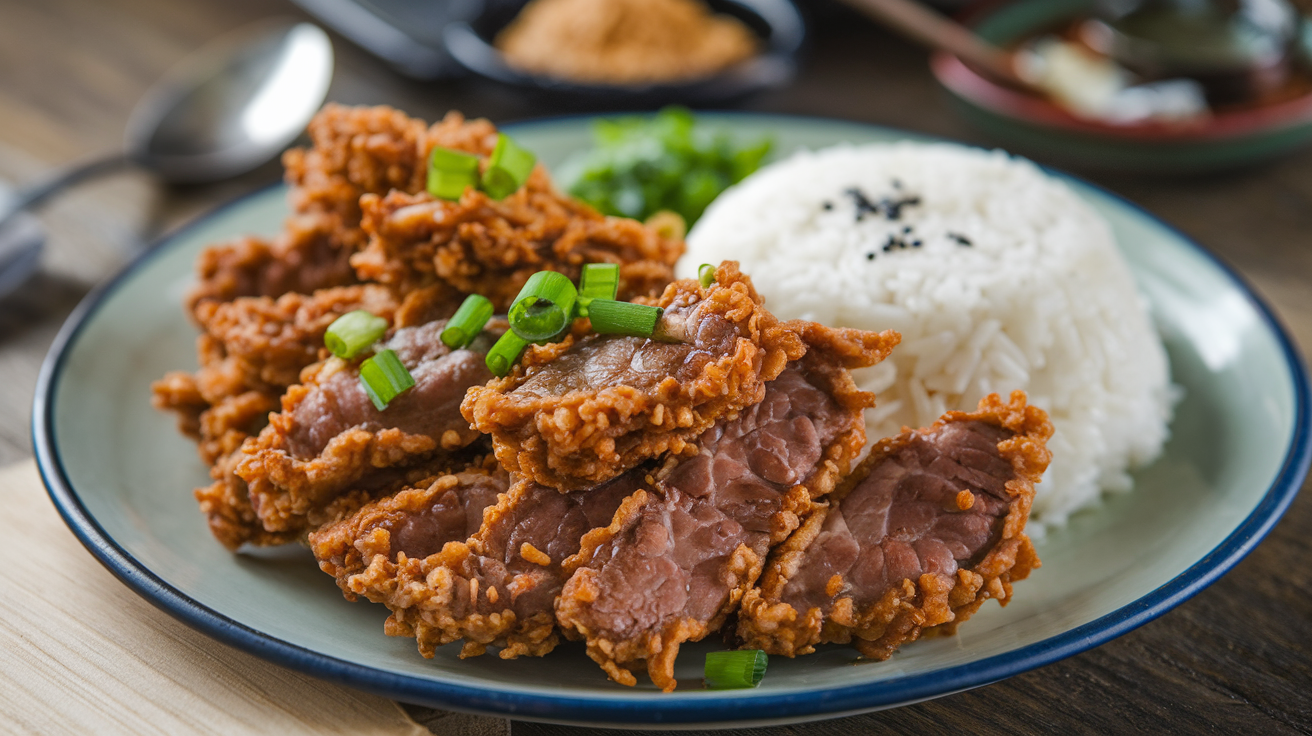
<point x="726" y="709"/>
<point x="971" y="86"/>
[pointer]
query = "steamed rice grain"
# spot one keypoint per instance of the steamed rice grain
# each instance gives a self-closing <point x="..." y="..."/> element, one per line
<point x="998" y="277"/>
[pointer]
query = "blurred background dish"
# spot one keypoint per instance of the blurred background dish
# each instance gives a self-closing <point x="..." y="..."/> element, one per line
<point x="1251" y="115"/>
<point x="777" y="26"/>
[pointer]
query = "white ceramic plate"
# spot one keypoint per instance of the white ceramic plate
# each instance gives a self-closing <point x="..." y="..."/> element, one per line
<point x="122" y="478"/>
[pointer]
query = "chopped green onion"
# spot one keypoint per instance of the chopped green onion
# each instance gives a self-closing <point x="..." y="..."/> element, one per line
<point x="504" y="353"/>
<point x="706" y="274"/>
<point x="731" y="670"/>
<point x="610" y="317"/>
<point x="353" y="332"/>
<point x="508" y="169"/>
<point x="467" y="322"/>
<point x="544" y="307"/>
<point x="599" y="280"/>
<point x="450" y="172"/>
<point x="384" y="377"/>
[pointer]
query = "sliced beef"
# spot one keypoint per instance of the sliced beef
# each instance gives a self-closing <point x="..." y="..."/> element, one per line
<point x="415" y="522"/>
<point x="576" y="413"/>
<point x="678" y="558"/>
<point x="927" y="528"/>
<point x="497" y="588"/>
<point x="329" y="437"/>
<point x="431" y="408"/>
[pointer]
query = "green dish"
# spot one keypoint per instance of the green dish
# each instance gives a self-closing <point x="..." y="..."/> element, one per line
<point x="1034" y="126"/>
<point x="121" y="476"/>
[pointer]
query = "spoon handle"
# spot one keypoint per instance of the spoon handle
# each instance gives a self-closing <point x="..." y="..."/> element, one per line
<point x="37" y="193"/>
<point x="934" y="30"/>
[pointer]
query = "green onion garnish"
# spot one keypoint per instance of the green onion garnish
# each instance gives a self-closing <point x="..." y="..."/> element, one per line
<point x="508" y="168"/>
<point x="450" y="172"/>
<point x="610" y="317"/>
<point x="599" y="280"/>
<point x="731" y="670"/>
<point x="505" y="353"/>
<point x="706" y="274"/>
<point x="384" y="378"/>
<point x="353" y="332"/>
<point x="467" y="322"/>
<point x="544" y="307"/>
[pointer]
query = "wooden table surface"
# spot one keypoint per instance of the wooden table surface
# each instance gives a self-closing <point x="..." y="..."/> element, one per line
<point x="1237" y="658"/>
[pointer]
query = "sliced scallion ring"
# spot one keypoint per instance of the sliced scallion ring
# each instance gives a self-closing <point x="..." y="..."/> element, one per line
<point x="384" y="377"/>
<point x="508" y="169"/>
<point x="738" y="669"/>
<point x="450" y="172"/>
<point x="467" y="322"/>
<point x="353" y="332"/>
<point x="706" y="275"/>
<point x="610" y="317"/>
<point x="504" y="353"/>
<point x="544" y="307"/>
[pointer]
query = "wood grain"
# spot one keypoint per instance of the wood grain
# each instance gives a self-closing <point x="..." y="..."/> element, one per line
<point x="81" y="653"/>
<point x="1238" y="658"/>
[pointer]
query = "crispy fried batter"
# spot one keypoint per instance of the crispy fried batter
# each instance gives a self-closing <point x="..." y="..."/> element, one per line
<point x="583" y="410"/>
<point x="485" y="246"/>
<point x="866" y="601"/>
<point x="496" y="589"/>
<point x="676" y="561"/>
<point x="354" y="151"/>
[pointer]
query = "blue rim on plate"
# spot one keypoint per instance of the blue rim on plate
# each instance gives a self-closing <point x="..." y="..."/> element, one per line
<point x="729" y="709"/>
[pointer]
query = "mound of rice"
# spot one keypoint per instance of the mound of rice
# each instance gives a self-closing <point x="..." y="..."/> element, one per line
<point x="998" y="277"/>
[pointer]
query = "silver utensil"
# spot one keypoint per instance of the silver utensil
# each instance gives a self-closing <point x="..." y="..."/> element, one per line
<point x="223" y="111"/>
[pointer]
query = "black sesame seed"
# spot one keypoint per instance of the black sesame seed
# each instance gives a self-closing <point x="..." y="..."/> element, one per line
<point x="828" y="205"/>
<point x="870" y="256"/>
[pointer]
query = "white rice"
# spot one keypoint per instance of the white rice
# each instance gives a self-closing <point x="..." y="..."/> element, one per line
<point x="1040" y="300"/>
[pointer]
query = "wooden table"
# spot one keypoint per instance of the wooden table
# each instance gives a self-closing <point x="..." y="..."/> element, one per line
<point x="1238" y="658"/>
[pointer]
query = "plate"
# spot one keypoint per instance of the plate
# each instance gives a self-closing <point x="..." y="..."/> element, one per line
<point x="121" y="477"/>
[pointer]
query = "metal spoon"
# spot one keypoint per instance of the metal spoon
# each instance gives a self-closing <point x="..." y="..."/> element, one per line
<point x="223" y="111"/>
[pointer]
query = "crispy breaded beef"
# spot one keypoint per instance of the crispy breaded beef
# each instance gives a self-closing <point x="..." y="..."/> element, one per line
<point x="496" y="589"/>
<point x="581" y="411"/>
<point x="929" y="527"/>
<point x="486" y="246"/>
<point x="415" y="522"/>
<point x="252" y="350"/>
<point x="329" y="436"/>
<point x="354" y="151"/>
<point x="676" y="560"/>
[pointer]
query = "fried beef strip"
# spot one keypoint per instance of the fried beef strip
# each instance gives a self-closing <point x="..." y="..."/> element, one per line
<point x="329" y="435"/>
<point x="919" y="536"/>
<point x="496" y="589"/>
<point x="415" y="522"/>
<point x="486" y="246"/>
<point x="578" y="412"/>
<point x="675" y="561"/>
<point x="354" y="151"/>
<point x="251" y="350"/>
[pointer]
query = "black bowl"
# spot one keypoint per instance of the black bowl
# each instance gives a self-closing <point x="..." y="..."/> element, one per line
<point x="777" y="22"/>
